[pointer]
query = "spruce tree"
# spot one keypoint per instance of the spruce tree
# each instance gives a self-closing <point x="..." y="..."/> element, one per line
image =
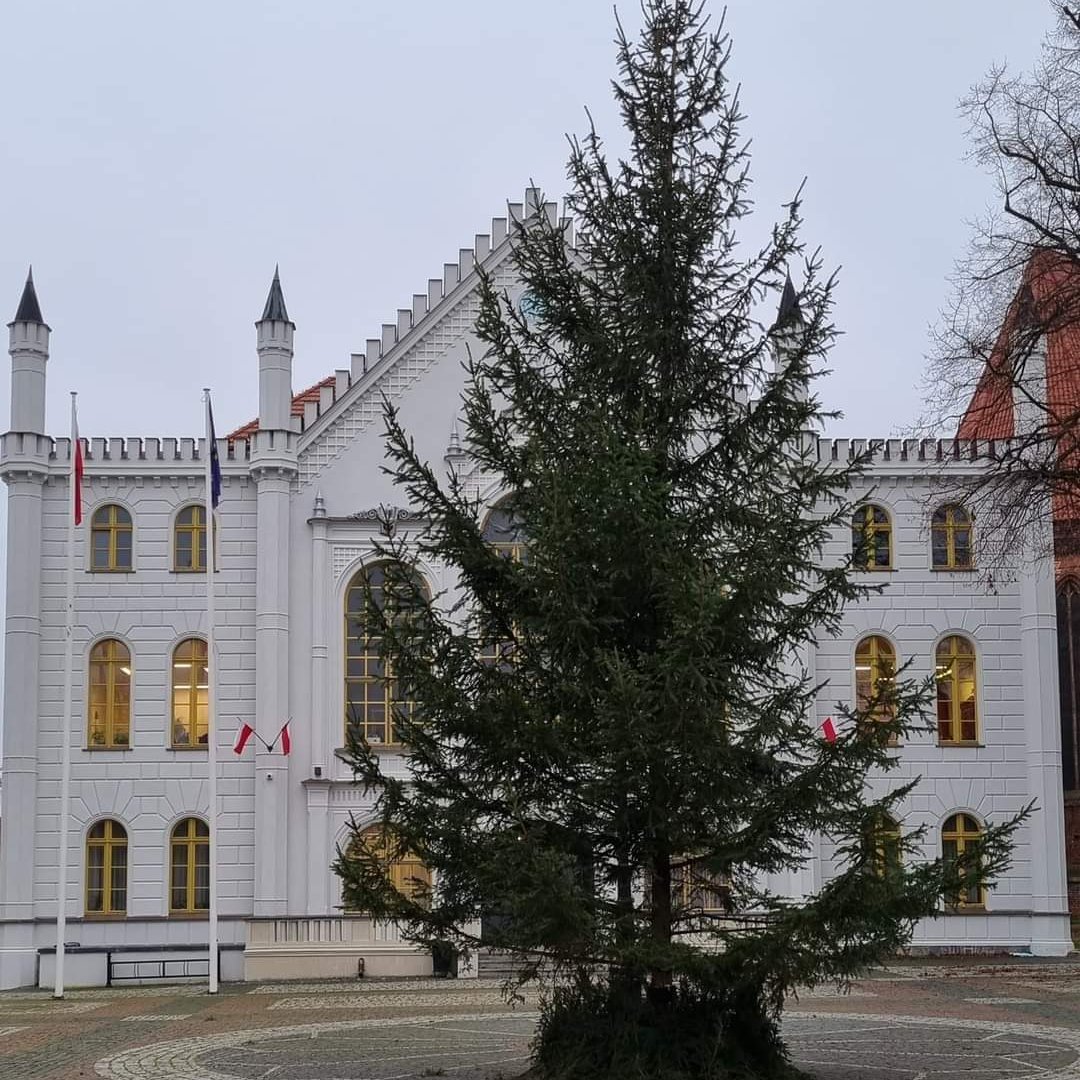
<point x="609" y="734"/>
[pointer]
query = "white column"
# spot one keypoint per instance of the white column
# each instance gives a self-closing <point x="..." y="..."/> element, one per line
<point x="273" y="472"/>
<point x="319" y="847"/>
<point x="22" y="648"/>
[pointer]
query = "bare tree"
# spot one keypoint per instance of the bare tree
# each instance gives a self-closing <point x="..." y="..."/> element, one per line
<point x="1005" y="365"/>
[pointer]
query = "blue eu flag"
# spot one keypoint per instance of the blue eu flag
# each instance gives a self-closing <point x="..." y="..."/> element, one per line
<point x="215" y="461"/>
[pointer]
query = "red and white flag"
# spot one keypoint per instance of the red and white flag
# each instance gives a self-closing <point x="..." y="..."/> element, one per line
<point x="242" y="737"/>
<point x="286" y="741"/>
<point x="829" y="730"/>
<point x="77" y="464"/>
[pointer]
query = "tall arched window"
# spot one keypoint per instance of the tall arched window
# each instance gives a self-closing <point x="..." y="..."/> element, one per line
<point x="951" y="540"/>
<point x="871" y="538"/>
<point x="406" y="871"/>
<point x="373" y="695"/>
<point x="957" y="692"/>
<point x="504" y="531"/>
<point x="875" y="668"/>
<point x="957" y="834"/>
<point x="885" y="842"/>
<point x="189" y="867"/>
<point x="697" y="888"/>
<point x="109" y="698"/>
<point x="190" y="690"/>
<point x="110" y="539"/>
<point x="1068" y="628"/>
<point x="106" y="869"/>
<point x="189" y="539"/>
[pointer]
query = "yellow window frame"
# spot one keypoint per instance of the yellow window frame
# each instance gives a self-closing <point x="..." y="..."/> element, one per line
<point x="189" y="710"/>
<point x="957" y="833"/>
<point x="106" y="839"/>
<point x="875" y="662"/>
<point x="108" y="699"/>
<point x="955" y="690"/>
<point x="868" y="523"/>
<point x="376" y="688"/>
<point x="406" y="871"/>
<point x="189" y="852"/>
<point x="189" y="533"/>
<point x="947" y="525"/>
<point x="113" y="521"/>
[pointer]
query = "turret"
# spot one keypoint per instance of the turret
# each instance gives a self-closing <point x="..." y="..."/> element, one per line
<point x="28" y="345"/>
<point x="275" y="346"/>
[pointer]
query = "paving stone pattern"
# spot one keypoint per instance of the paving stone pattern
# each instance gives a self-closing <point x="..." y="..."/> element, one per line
<point x="975" y="1021"/>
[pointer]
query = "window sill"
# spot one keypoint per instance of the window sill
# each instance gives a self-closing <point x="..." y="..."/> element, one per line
<point x="110" y="570"/>
<point x="189" y="916"/>
<point x="104" y="916"/>
<point x="965" y="745"/>
<point x="379" y="748"/>
<point x="953" y="569"/>
<point x="967" y="909"/>
<point x="96" y="748"/>
<point x="185" y="748"/>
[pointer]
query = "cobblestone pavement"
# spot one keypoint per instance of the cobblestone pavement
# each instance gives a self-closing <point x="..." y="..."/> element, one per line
<point x="921" y="1021"/>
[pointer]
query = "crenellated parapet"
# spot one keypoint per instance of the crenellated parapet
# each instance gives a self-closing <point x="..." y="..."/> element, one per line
<point x="913" y="453"/>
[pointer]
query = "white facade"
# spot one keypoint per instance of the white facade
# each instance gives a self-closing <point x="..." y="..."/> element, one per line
<point x="295" y="524"/>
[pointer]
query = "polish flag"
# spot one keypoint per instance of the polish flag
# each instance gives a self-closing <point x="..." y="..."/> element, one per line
<point x="829" y="729"/>
<point x="77" y="465"/>
<point x="286" y="741"/>
<point x="242" y="737"/>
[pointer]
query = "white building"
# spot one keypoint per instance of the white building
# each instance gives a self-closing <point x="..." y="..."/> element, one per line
<point x="296" y="524"/>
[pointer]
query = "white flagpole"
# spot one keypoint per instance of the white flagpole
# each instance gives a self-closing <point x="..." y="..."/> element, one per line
<point x="65" y="734"/>
<point x="211" y="711"/>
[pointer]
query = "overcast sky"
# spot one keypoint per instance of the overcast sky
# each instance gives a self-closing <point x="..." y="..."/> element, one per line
<point x="159" y="159"/>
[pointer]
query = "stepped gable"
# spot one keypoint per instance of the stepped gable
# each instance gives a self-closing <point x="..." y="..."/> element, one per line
<point x="406" y="348"/>
<point x="1049" y="295"/>
<point x="305" y="397"/>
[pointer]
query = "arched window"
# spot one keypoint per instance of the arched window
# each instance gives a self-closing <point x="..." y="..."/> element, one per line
<point x="189" y="539"/>
<point x="189" y="867"/>
<point x="504" y="531"/>
<point x="1068" y="628"/>
<point x="109" y="697"/>
<point x="957" y="692"/>
<point x="106" y="869"/>
<point x="885" y="840"/>
<point x="404" y="868"/>
<point x="951" y="530"/>
<point x="875" y="668"/>
<point x="871" y="538"/>
<point x="372" y="693"/>
<point x="190" y="689"/>
<point x="110" y="539"/>
<point x="959" y="832"/>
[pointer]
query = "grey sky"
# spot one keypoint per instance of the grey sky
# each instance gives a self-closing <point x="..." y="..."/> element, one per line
<point x="158" y="160"/>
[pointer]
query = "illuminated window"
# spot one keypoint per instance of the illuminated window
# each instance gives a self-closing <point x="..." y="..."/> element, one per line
<point x="404" y="869"/>
<point x="110" y="539"/>
<point x="875" y="670"/>
<point x="189" y="539"/>
<point x="885" y="840"/>
<point x="106" y="869"/>
<point x="951" y="538"/>
<point x="696" y="888"/>
<point x="189" y="867"/>
<point x="871" y="538"/>
<point x="109" y="697"/>
<point x="372" y="693"/>
<point x="957" y="834"/>
<point x="957" y="692"/>
<point x="190" y="690"/>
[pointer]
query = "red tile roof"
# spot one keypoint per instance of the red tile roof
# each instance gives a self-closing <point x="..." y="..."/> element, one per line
<point x="312" y="393"/>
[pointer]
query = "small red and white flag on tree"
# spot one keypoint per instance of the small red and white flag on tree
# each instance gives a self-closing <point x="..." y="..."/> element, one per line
<point x="242" y="737"/>
<point x="76" y="464"/>
<point x="829" y="730"/>
<point x="286" y="741"/>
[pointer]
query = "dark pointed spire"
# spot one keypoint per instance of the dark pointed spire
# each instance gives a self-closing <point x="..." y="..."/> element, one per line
<point x="789" y="312"/>
<point x="275" y="302"/>
<point x="29" y="308"/>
